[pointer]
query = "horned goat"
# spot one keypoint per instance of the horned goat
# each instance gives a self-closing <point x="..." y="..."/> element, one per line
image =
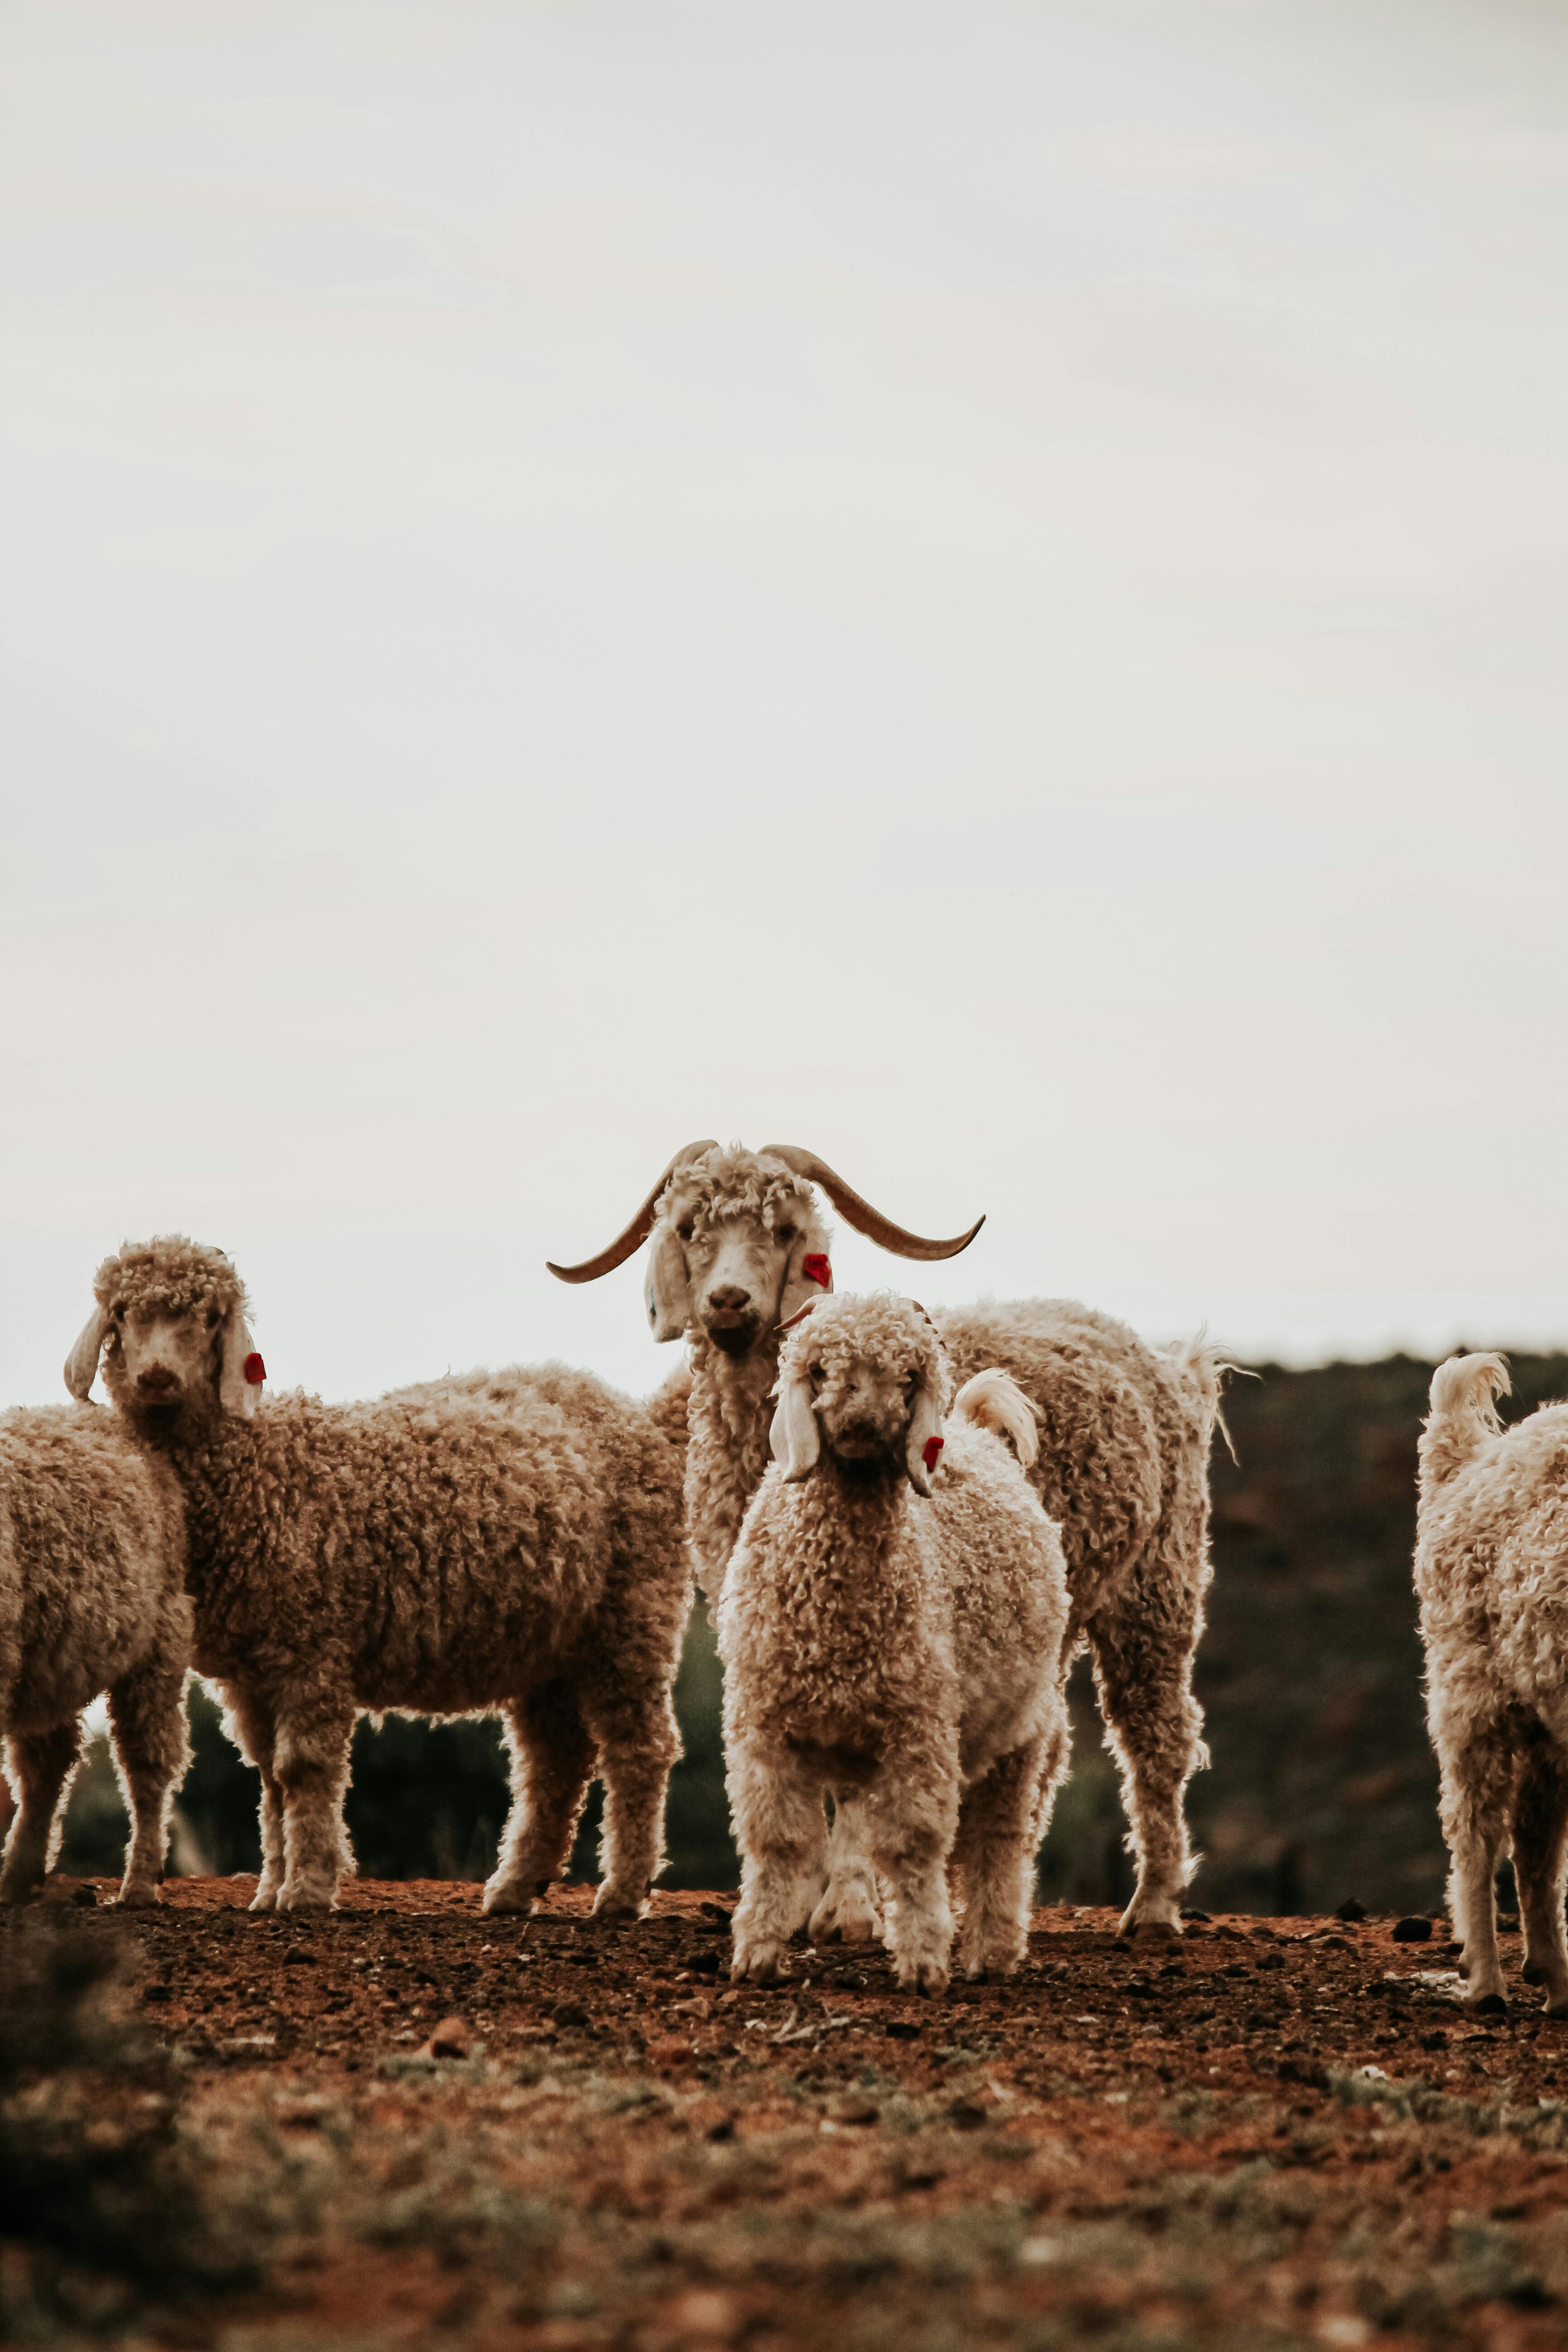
<point x="511" y="1543"/>
<point x="92" y="1599"/>
<point x="738" y="1244"/>
<point x="1492" y="1576"/>
<point x="892" y="1621"/>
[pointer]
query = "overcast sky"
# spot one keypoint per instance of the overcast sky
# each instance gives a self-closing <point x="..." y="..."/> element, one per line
<point x="981" y="588"/>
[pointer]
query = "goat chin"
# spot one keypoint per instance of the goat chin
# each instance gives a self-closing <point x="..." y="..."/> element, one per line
<point x="735" y="1340"/>
<point x="867" y="1469"/>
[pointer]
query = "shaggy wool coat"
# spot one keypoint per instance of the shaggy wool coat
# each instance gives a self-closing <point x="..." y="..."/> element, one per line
<point x="1492" y="1576"/>
<point x="1122" y="1469"/>
<point x="509" y="1542"/>
<point x="91" y="1600"/>
<point x="904" y="1645"/>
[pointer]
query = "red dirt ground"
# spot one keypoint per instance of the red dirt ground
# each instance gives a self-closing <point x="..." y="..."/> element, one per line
<point x="1272" y="2133"/>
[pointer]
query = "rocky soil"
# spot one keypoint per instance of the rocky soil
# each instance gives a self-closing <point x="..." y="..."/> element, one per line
<point x="409" y="2124"/>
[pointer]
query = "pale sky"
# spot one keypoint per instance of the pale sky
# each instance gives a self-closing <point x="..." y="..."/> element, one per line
<point x="981" y="588"/>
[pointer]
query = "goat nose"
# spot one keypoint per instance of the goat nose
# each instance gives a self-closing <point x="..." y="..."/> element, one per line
<point x="729" y="1298"/>
<point x="156" y="1378"/>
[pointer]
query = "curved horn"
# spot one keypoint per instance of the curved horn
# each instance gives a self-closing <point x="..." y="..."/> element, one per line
<point x="637" y="1232"/>
<point x="862" y="1214"/>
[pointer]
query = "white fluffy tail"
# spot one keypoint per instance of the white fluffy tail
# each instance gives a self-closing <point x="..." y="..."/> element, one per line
<point x="994" y="1401"/>
<point x="1201" y="1371"/>
<point x="1464" y="1415"/>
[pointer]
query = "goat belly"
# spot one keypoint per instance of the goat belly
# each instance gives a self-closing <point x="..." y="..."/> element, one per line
<point x="840" y="1760"/>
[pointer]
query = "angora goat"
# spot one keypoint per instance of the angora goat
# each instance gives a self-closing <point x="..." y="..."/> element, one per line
<point x="738" y="1244"/>
<point x="892" y="1623"/>
<point x="1491" y="1575"/>
<point x="507" y="1543"/>
<point x="92" y="1599"/>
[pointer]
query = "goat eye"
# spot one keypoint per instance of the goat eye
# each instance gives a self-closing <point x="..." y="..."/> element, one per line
<point x="784" y="1233"/>
<point x="213" y="1318"/>
<point x="816" y="1371"/>
<point x="685" y="1231"/>
<point x="118" y="1310"/>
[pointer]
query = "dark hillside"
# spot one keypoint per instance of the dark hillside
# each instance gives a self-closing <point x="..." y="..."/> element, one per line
<point x="1321" y="1784"/>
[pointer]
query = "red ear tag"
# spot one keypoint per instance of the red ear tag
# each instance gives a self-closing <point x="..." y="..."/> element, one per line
<point x="933" y="1446"/>
<point x="254" y="1371"/>
<point x="817" y="1267"/>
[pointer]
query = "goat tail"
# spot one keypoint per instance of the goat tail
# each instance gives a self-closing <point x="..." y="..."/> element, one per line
<point x="994" y="1401"/>
<point x="1464" y="1415"/>
<point x="1201" y="1373"/>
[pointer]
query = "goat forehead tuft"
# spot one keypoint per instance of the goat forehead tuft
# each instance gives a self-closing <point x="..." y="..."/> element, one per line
<point x="889" y="1333"/>
<point x="736" y="1187"/>
<point x="169" y="1275"/>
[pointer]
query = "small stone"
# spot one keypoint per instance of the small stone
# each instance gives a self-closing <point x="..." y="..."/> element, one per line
<point x="86" y="1895"/>
<point x="902" y="2029"/>
<point x="1412" y="1931"/>
<point x="853" y="2107"/>
<point x="964" y="2116"/>
<point x="296" y="1956"/>
<point x="156" y="1991"/>
<point x="1351" y="1911"/>
<point x="714" y="2118"/>
<point x="705" y="1964"/>
<point x="569" y="2012"/>
<point x="703" y="2314"/>
<point x="453" y="2038"/>
<point x="669" y="2050"/>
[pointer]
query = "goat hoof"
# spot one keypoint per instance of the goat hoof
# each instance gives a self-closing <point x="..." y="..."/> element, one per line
<point x="844" y="1915"/>
<point x="135" y="1898"/>
<point x="1490" y="2004"/>
<point x="756" y="1963"/>
<point x="1533" y="1973"/>
<point x="617" y="1910"/>
<point x="927" y="1978"/>
<point x="505" y="1899"/>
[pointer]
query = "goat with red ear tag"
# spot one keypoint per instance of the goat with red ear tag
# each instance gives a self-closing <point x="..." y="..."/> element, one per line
<point x="892" y="1628"/>
<point x="740" y="1241"/>
<point x="506" y="1542"/>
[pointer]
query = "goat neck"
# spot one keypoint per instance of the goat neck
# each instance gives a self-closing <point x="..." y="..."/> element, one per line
<point x="218" y="1463"/>
<point x="728" y="1419"/>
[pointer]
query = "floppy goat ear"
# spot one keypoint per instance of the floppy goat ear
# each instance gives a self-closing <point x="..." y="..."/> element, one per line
<point x="925" y="1439"/>
<point x="81" y="1364"/>
<point x="667" y="1293"/>
<point x="794" y="1438"/>
<point x="240" y="1371"/>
